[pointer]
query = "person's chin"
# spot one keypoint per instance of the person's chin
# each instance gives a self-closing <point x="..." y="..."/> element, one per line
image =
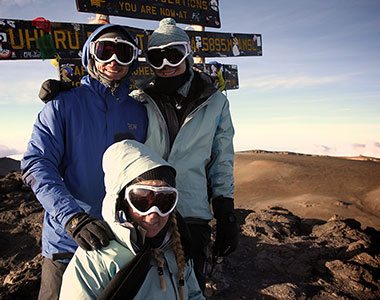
<point x="169" y="72"/>
<point x="114" y="75"/>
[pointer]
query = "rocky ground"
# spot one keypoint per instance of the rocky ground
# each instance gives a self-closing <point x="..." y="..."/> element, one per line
<point x="281" y="256"/>
<point x="20" y="231"/>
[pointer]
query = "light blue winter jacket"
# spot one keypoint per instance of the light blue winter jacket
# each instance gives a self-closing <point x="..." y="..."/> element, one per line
<point x="89" y="272"/>
<point x="202" y="152"/>
<point x="62" y="163"/>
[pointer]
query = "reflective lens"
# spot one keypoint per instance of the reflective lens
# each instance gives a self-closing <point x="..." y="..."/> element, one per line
<point x="108" y="49"/>
<point x="146" y="199"/>
<point x="172" y="54"/>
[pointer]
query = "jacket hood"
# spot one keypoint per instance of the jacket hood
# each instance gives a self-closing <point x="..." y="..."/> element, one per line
<point x="99" y="31"/>
<point x="122" y="163"/>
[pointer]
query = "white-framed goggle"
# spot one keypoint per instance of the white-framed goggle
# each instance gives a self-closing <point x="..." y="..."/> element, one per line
<point x="147" y="199"/>
<point x="106" y="50"/>
<point x="172" y="54"/>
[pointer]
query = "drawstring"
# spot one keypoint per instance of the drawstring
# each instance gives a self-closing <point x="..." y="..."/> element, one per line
<point x="162" y="279"/>
<point x="181" y="289"/>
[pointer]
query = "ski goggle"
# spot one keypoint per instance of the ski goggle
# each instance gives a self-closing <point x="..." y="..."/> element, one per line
<point x="172" y="54"/>
<point x="109" y="49"/>
<point x="146" y="199"/>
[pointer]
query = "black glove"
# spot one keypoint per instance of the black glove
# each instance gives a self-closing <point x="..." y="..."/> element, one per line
<point x="88" y="232"/>
<point x="227" y="227"/>
<point x="51" y="88"/>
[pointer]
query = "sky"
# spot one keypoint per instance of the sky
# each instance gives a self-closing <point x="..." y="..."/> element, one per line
<point x="315" y="90"/>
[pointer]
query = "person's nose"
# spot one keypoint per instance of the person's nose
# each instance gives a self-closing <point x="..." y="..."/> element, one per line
<point x="152" y="217"/>
<point x="113" y="63"/>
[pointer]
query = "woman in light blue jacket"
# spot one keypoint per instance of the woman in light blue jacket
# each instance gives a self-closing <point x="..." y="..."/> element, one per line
<point x="190" y="126"/>
<point x="139" y="206"/>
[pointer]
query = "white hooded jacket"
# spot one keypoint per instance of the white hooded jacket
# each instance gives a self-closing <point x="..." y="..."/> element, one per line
<point x="89" y="272"/>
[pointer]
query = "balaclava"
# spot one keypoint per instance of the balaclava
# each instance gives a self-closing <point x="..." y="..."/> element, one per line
<point x="166" y="33"/>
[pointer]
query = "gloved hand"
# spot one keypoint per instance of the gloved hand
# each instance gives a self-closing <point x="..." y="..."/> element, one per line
<point x="227" y="228"/>
<point x="51" y="88"/>
<point x="88" y="232"/>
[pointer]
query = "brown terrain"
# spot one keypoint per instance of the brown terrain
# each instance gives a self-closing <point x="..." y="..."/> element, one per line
<point x="310" y="229"/>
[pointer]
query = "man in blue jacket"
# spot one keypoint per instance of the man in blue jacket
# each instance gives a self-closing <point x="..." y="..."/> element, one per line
<point x="62" y="163"/>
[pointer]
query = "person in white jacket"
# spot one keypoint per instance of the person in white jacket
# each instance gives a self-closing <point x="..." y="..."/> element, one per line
<point x="151" y="240"/>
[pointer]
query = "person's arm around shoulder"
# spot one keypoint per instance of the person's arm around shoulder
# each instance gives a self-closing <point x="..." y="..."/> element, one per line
<point x="51" y="88"/>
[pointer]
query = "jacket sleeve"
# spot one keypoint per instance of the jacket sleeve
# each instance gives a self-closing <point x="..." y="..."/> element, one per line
<point x="89" y="272"/>
<point x="42" y="162"/>
<point x="220" y="173"/>
<point x="85" y="276"/>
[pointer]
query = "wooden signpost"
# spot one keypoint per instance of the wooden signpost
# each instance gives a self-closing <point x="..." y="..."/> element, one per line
<point x="19" y="39"/>
<point x="42" y="39"/>
<point x="71" y="70"/>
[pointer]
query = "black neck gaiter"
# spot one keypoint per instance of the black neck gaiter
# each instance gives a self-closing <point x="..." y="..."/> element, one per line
<point x="170" y="85"/>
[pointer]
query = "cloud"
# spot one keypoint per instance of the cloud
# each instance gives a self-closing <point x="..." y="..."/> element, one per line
<point x="323" y="149"/>
<point x="371" y="149"/>
<point x="358" y="146"/>
<point x="29" y="75"/>
<point x="17" y="2"/>
<point x="280" y="81"/>
<point x="6" y="151"/>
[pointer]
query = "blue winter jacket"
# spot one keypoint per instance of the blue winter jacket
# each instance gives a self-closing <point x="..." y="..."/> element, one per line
<point x="62" y="163"/>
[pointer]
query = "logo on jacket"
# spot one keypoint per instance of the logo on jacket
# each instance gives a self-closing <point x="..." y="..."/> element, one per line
<point x="132" y="126"/>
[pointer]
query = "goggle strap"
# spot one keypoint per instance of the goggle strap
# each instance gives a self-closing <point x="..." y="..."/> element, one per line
<point x="186" y="44"/>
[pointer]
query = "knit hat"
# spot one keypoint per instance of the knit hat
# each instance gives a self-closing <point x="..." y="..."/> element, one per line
<point x="169" y="32"/>
<point x="164" y="173"/>
<point x="166" y="33"/>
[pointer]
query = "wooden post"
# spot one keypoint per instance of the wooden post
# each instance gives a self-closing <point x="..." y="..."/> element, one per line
<point x="100" y="19"/>
<point x="197" y="59"/>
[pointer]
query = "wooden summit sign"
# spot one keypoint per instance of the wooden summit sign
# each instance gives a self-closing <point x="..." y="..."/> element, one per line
<point x="196" y="12"/>
<point x="21" y="39"/>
